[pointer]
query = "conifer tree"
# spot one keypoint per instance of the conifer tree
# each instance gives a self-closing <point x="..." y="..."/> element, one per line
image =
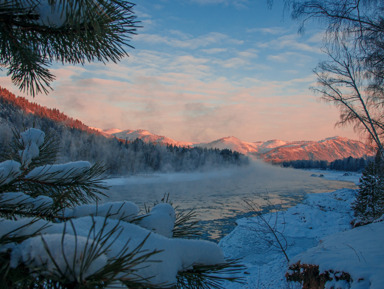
<point x="35" y="33"/>
<point x="369" y="203"/>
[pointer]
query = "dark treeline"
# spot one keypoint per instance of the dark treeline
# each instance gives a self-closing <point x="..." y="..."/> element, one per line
<point x="121" y="157"/>
<point x="348" y="164"/>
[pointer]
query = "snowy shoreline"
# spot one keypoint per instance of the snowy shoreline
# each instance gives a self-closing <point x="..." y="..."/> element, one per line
<point x="320" y="216"/>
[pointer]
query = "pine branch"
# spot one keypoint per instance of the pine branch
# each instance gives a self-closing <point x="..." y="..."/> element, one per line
<point x="47" y="155"/>
<point x="67" y="185"/>
<point x="70" y="189"/>
<point x="206" y="277"/>
<point x="80" y="31"/>
<point x="186" y="224"/>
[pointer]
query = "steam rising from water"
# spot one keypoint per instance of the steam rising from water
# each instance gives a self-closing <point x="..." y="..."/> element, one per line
<point x="219" y="195"/>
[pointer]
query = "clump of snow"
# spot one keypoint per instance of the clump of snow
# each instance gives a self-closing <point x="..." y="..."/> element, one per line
<point x="52" y="173"/>
<point x="9" y="170"/>
<point x="21" y="199"/>
<point x="161" y="220"/>
<point x="172" y="255"/>
<point x="21" y="226"/>
<point x="116" y="210"/>
<point x="31" y="139"/>
<point x="61" y="256"/>
<point x="358" y="252"/>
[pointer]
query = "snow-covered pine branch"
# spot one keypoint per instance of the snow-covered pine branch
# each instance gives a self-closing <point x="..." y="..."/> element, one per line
<point x="79" y="245"/>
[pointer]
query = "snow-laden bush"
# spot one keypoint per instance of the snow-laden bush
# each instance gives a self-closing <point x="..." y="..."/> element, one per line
<point x="54" y="235"/>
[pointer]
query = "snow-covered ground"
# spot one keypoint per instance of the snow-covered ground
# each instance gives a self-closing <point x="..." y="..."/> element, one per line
<point x="303" y="227"/>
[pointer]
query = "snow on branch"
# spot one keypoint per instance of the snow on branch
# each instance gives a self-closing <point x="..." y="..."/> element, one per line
<point x="161" y="220"/>
<point x="124" y="210"/>
<point x="21" y="200"/>
<point x="9" y="170"/>
<point x="54" y="173"/>
<point x="31" y="139"/>
<point x="62" y="249"/>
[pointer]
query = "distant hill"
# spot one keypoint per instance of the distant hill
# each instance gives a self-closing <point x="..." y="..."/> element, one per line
<point x="44" y="112"/>
<point x="277" y="151"/>
<point x="329" y="149"/>
<point x="146" y="136"/>
<point x="231" y="143"/>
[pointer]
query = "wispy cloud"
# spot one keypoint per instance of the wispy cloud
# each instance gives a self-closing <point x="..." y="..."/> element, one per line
<point x="268" y="30"/>
<point x="290" y="41"/>
<point x="186" y="41"/>
<point x="214" y="50"/>
<point x="286" y="57"/>
<point x="236" y="3"/>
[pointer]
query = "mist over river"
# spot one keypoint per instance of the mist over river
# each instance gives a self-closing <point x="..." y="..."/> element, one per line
<point x="218" y="195"/>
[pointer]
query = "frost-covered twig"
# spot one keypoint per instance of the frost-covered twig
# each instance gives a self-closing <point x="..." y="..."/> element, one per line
<point x="266" y="228"/>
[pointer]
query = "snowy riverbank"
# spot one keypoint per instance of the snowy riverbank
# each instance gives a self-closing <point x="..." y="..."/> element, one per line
<point x="303" y="226"/>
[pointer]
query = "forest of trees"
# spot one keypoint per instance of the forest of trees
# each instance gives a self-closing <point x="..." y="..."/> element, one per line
<point x="347" y="164"/>
<point x="79" y="142"/>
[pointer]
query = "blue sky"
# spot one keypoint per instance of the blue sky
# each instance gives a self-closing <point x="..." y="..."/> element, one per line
<point x="201" y="70"/>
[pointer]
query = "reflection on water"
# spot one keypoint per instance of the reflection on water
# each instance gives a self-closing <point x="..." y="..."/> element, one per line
<point x="218" y="196"/>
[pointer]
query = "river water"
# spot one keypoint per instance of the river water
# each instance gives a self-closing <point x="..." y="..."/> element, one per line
<point x="218" y="196"/>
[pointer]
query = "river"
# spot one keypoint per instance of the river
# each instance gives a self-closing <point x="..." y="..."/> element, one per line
<point x="218" y="195"/>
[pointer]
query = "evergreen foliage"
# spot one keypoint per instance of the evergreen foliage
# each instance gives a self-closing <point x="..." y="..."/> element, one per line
<point x="369" y="203"/>
<point x="348" y="164"/>
<point x="36" y="33"/>
<point x="52" y="235"/>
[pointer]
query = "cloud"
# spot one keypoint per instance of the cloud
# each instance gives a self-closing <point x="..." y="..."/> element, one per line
<point x="214" y="50"/>
<point x="241" y="59"/>
<point x="197" y="110"/>
<point x="286" y="57"/>
<point x="268" y="30"/>
<point x="240" y="4"/>
<point x="290" y="41"/>
<point x="185" y="41"/>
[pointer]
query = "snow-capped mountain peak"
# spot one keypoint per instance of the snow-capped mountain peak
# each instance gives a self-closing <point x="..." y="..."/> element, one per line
<point x="232" y="143"/>
<point x="146" y="136"/>
<point x="112" y="131"/>
<point x="276" y="151"/>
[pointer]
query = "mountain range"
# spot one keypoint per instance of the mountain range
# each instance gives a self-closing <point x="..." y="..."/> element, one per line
<point x="275" y="151"/>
